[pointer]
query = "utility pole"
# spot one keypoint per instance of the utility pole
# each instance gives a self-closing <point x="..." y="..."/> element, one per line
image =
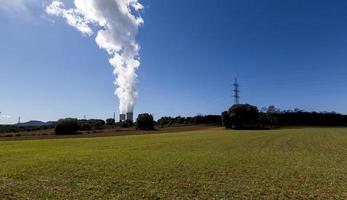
<point x="18" y="120"/>
<point x="236" y="92"/>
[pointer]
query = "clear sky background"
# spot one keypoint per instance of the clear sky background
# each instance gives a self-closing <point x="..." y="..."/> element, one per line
<point x="290" y="53"/>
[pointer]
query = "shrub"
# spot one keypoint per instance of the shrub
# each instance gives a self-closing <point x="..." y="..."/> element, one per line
<point x="145" y="122"/>
<point x="67" y="127"/>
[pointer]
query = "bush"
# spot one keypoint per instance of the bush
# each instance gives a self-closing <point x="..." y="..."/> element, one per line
<point x="67" y="127"/>
<point x="145" y="122"/>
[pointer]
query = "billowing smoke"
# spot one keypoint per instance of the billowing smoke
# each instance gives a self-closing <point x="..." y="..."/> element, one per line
<point x="116" y="23"/>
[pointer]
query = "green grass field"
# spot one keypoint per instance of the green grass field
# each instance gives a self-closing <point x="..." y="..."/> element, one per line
<point x="305" y="163"/>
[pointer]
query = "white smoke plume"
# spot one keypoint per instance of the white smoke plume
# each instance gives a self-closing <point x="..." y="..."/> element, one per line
<point x="116" y="23"/>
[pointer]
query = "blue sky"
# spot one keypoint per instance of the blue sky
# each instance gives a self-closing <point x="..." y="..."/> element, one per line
<point x="285" y="53"/>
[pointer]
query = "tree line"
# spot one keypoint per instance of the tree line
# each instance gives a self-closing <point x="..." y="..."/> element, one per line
<point x="144" y="121"/>
<point x="238" y="116"/>
<point x="179" y="120"/>
<point x="16" y="129"/>
<point x="246" y="116"/>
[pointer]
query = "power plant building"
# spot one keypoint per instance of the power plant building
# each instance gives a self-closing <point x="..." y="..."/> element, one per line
<point x="122" y="117"/>
<point x="129" y="116"/>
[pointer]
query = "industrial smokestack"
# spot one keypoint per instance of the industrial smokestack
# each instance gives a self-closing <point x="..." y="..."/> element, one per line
<point x="130" y="116"/>
<point x="121" y="117"/>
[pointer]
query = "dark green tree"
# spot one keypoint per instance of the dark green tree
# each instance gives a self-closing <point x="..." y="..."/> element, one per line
<point x="271" y="114"/>
<point x="126" y="124"/>
<point x="110" y="122"/>
<point x="241" y="116"/>
<point x="145" y="122"/>
<point x="165" y="121"/>
<point x="67" y="126"/>
<point x="226" y="120"/>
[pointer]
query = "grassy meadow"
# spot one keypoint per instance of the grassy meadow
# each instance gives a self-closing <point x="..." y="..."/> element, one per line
<point x="301" y="163"/>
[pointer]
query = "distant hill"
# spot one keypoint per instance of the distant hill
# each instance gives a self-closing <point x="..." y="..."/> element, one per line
<point x="35" y="123"/>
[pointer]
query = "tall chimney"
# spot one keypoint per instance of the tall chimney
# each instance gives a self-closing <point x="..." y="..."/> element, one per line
<point x="130" y="116"/>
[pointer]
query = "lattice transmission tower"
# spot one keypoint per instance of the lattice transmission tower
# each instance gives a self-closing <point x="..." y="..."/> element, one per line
<point x="236" y="92"/>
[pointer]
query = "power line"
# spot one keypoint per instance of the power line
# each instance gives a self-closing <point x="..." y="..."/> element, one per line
<point x="236" y="92"/>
